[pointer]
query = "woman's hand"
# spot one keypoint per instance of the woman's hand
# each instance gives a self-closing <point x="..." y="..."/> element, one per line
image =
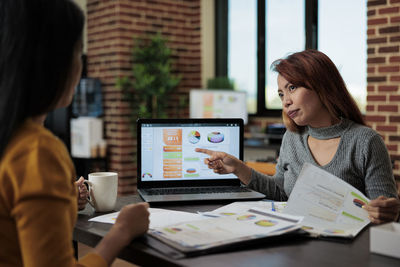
<point x="383" y="209"/>
<point x="223" y="163"/>
<point x="134" y="220"/>
<point x="220" y="162"/>
<point x="83" y="193"/>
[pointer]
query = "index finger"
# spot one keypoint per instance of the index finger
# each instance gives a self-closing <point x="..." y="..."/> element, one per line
<point x="205" y="151"/>
<point x="80" y="181"/>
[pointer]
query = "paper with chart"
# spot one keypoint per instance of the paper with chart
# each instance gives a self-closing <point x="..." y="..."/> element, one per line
<point x="231" y="228"/>
<point x="243" y="206"/>
<point x="330" y="206"/>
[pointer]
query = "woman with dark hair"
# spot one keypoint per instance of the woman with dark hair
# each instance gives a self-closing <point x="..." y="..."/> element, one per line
<point x="326" y="129"/>
<point x="40" y="65"/>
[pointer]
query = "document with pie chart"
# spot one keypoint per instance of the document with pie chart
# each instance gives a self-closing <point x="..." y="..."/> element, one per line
<point x="226" y="229"/>
<point x="330" y="206"/>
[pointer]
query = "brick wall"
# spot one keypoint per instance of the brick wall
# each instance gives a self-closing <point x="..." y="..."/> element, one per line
<point x="383" y="79"/>
<point x="111" y="24"/>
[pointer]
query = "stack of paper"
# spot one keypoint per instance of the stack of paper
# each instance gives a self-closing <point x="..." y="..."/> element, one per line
<point x="320" y="203"/>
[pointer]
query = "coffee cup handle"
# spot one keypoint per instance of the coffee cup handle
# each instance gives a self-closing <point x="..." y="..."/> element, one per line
<point x="91" y="200"/>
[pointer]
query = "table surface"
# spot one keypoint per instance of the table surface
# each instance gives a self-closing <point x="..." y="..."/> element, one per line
<point x="282" y="251"/>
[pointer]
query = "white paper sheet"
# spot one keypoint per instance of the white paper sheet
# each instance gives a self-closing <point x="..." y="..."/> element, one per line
<point x="158" y="217"/>
<point x="163" y="217"/>
<point x="330" y="206"/>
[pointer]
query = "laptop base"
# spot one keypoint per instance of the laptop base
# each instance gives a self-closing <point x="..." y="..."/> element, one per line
<point x="252" y="195"/>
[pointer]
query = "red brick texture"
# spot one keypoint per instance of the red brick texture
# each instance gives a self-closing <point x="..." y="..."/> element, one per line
<point x="383" y="100"/>
<point x="112" y="24"/>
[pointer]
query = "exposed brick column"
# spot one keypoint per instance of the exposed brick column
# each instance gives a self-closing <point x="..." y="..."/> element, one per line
<point x="383" y="98"/>
<point x="111" y="27"/>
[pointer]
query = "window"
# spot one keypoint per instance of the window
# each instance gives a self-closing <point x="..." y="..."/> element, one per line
<point x="262" y="31"/>
<point x="242" y="48"/>
<point x="285" y="34"/>
<point x="344" y="41"/>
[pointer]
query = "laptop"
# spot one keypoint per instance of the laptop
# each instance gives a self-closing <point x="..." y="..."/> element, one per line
<point x="169" y="168"/>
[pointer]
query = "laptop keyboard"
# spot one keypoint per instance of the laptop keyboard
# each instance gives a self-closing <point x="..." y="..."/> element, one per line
<point x="194" y="190"/>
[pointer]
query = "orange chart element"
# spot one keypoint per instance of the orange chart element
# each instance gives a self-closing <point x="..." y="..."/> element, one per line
<point x="172" y="137"/>
<point x="172" y="174"/>
<point x="191" y="170"/>
<point x="172" y="148"/>
<point x="172" y="168"/>
<point x="208" y="102"/>
<point x="172" y="161"/>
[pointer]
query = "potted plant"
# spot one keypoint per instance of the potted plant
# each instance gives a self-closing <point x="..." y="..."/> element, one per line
<point x="152" y="84"/>
<point x="221" y="83"/>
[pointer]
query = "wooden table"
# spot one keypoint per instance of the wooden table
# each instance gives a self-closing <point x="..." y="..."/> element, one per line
<point x="293" y="251"/>
<point x="263" y="167"/>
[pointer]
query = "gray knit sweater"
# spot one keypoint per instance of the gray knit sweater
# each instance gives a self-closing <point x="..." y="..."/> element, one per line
<point x="360" y="160"/>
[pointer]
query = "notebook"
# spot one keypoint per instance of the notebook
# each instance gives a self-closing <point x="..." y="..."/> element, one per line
<point x="169" y="168"/>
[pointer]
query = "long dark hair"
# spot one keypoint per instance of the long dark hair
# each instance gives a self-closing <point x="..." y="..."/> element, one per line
<point x="37" y="41"/>
<point x="314" y="70"/>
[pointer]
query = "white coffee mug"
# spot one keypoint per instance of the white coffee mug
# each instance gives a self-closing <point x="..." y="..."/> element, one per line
<point x="103" y="189"/>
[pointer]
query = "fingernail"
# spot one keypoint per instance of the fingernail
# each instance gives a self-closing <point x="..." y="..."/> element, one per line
<point x="363" y="206"/>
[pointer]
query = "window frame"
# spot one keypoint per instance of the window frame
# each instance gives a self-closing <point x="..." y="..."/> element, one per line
<point x="221" y="46"/>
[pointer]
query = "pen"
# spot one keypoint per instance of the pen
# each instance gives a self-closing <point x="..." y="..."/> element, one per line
<point x="273" y="206"/>
<point x="208" y="215"/>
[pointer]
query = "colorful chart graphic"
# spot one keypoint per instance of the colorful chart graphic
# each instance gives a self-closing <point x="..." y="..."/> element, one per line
<point x="147" y="175"/>
<point x="191" y="170"/>
<point x="228" y="213"/>
<point x="173" y="230"/>
<point x="232" y="99"/>
<point x="266" y="223"/>
<point x="208" y="102"/>
<point x="358" y="202"/>
<point x="334" y="231"/>
<point x="215" y="137"/>
<point x="172" y="153"/>
<point x="172" y="148"/>
<point x="246" y="217"/>
<point x="172" y="137"/>
<point x="194" y="137"/>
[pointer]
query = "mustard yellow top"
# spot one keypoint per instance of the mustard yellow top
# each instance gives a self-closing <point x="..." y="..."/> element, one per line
<point x="38" y="202"/>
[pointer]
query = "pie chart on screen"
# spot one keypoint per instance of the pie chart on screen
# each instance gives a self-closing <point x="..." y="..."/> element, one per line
<point x="215" y="137"/>
<point x="194" y="137"/>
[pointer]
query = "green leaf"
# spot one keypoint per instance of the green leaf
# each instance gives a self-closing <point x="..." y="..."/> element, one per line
<point x="152" y="77"/>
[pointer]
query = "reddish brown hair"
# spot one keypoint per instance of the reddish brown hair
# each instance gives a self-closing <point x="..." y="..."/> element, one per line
<point x="314" y="70"/>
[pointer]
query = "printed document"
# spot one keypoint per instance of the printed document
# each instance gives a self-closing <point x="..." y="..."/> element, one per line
<point x="231" y="228"/>
<point x="330" y="206"/>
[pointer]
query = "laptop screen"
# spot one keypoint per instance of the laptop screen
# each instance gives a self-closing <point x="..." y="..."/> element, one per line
<point x="167" y="148"/>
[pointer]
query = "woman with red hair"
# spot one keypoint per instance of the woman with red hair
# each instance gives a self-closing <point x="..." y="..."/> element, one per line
<point x="326" y="129"/>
